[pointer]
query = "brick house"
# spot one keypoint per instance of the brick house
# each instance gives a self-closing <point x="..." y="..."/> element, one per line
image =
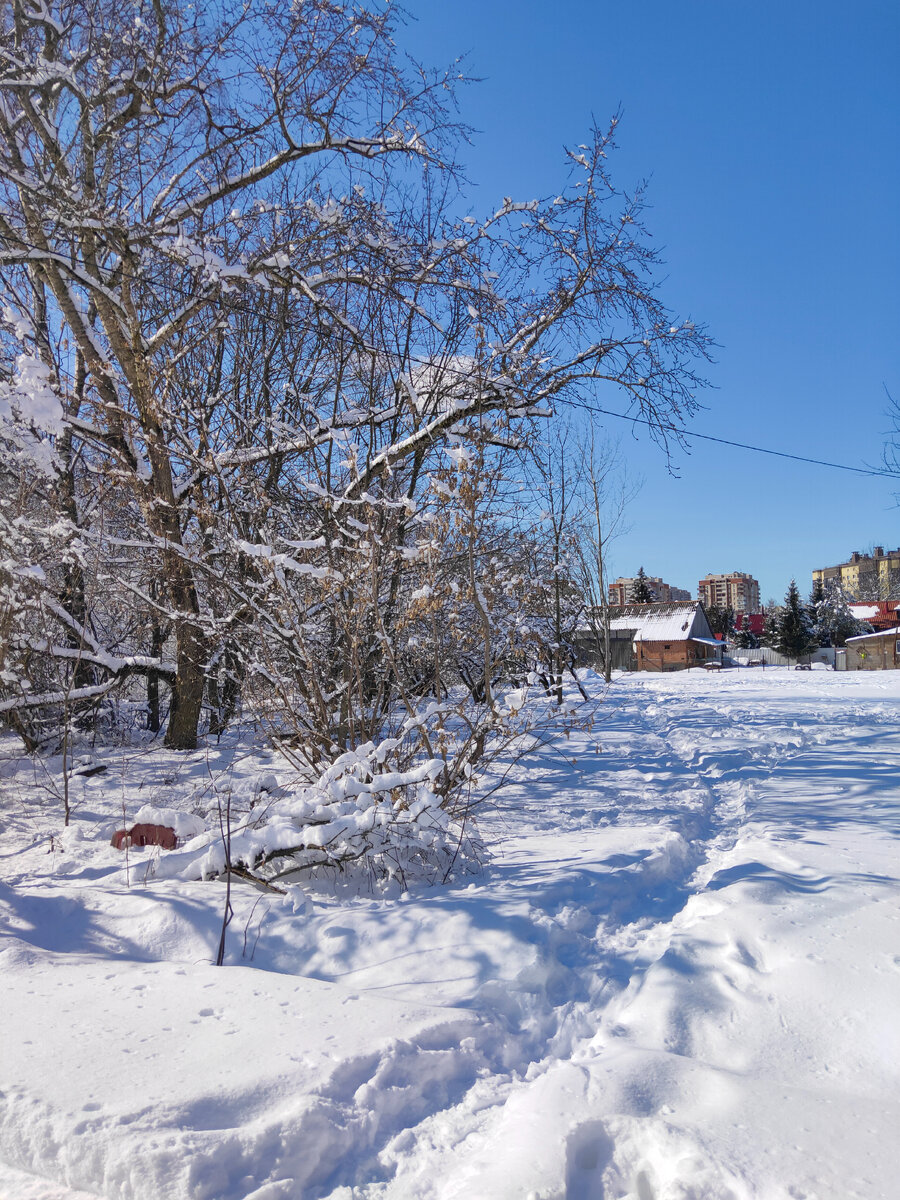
<point x="666" y="637"/>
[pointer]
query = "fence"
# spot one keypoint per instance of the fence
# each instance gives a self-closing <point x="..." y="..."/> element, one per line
<point x="771" y="658"/>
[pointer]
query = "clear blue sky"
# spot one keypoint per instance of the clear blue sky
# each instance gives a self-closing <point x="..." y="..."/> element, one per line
<point x="770" y="136"/>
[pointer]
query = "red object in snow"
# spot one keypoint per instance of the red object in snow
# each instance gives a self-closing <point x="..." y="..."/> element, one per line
<point x="145" y="835"/>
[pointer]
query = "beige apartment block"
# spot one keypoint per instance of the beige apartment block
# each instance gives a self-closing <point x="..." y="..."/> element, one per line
<point x="873" y="576"/>
<point x="737" y="590"/>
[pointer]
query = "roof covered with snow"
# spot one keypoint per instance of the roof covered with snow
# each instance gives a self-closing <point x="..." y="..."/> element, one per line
<point x="866" y="637"/>
<point x="673" y="622"/>
<point x="880" y="614"/>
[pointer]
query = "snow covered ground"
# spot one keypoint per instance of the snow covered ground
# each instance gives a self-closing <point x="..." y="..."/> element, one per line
<point x="679" y="978"/>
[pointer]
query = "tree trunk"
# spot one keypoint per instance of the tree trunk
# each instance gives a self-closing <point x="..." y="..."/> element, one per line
<point x="224" y="697"/>
<point x="157" y="641"/>
<point x="187" y="688"/>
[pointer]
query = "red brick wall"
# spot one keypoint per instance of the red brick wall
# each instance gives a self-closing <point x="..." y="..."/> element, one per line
<point x="672" y="656"/>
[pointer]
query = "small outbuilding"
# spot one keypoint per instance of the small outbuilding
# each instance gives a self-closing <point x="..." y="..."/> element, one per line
<point x="667" y="637"/>
<point x="874" y="651"/>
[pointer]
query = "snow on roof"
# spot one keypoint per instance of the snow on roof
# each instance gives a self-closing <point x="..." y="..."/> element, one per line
<point x="863" y="637"/>
<point x="863" y="612"/>
<point x="656" y="622"/>
<point x="710" y="642"/>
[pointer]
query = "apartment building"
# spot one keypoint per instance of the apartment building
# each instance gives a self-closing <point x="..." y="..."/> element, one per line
<point x="738" y="591"/>
<point x="873" y="576"/>
<point x="622" y="591"/>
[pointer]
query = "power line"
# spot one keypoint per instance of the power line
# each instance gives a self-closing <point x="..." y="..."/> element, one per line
<point x="707" y="437"/>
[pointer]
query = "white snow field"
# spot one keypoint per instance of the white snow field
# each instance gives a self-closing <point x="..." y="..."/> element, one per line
<point x="677" y="979"/>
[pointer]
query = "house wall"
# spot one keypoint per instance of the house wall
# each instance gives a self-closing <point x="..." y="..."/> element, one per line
<point x="874" y="654"/>
<point x="672" y="656"/>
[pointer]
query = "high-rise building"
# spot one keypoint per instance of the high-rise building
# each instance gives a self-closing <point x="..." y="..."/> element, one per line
<point x="738" y="591"/>
<point x="622" y="591"/>
<point x="864" y="576"/>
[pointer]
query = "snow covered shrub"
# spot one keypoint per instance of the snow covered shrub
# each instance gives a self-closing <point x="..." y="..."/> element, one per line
<point x="358" y="817"/>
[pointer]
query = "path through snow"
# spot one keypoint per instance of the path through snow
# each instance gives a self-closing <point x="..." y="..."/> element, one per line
<point x="679" y="980"/>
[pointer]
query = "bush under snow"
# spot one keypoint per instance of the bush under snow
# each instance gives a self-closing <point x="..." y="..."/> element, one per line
<point x="387" y="825"/>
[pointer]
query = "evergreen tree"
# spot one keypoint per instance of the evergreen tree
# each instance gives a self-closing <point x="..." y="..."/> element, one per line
<point x="641" y="592"/>
<point x="745" y="638"/>
<point x="817" y="614"/>
<point x="795" y="634"/>
<point x="721" y="620"/>
<point x="832" y="620"/>
<point x="770" y="632"/>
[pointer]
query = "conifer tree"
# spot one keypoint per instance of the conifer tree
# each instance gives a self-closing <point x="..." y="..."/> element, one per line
<point x="831" y="618"/>
<point x="795" y="634"/>
<point x="642" y="593"/>
<point x="770" y="631"/>
<point x="721" y="619"/>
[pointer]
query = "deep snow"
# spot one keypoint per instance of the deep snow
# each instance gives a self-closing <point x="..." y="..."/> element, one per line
<point x="678" y="979"/>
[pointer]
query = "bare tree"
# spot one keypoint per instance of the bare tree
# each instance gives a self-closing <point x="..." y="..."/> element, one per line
<point x="264" y="333"/>
<point x="128" y="136"/>
<point x="609" y="492"/>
